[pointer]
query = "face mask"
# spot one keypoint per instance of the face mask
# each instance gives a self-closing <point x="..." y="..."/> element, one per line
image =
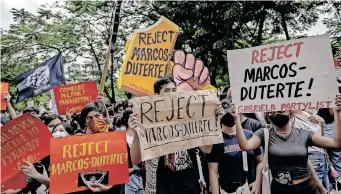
<point x="279" y="120"/>
<point x="59" y="134"/>
<point x="120" y="128"/>
<point x="227" y="120"/>
<point x="97" y="125"/>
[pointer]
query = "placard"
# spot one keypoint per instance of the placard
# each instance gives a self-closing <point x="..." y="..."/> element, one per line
<point x="178" y="121"/>
<point x="79" y="160"/>
<point x="3" y="90"/>
<point x="74" y="97"/>
<point x="290" y="75"/>
<point x="24" y="138"/>
<point x="147" y="57"/>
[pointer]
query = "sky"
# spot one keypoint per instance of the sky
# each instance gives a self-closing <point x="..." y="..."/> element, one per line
<point x="31" y="6"/>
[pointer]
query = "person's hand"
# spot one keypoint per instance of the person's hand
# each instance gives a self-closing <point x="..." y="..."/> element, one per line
<point x="133" y="122"/>
<point x="97" y="188"/>
<point x="254" y="188"/>
<point x="321" y="189"/>
<point x="11" y="191"/>
<point x="233" y="113"/>
<point x="7" y="97"/>
<point x="316" y="119"/>
<point x="338" y="102"/>
<point x="219" y="111"/>
<point x="69" y="114"/>
<point x="100" y="98"/>
<point x="29" y="170"/>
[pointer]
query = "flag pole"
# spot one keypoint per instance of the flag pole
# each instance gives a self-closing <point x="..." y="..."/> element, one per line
<point x="107" y="59"/>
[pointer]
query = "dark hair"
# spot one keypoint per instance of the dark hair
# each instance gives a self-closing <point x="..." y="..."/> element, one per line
<point x="31" y="109"/>
<point x="227" y="120"/>
<point x="48" y="118"/>
<point x="161" y="82"/>
<point x="4" y="119"/>
<point x="67" y="128"/>
<point x="226" y="89"/>
<point x="91" y="106"/>
<point x="117" y="107"/>
<point x="117" y="121"/>
<point x="222" y="96"/>
<point x="125" y="116"/>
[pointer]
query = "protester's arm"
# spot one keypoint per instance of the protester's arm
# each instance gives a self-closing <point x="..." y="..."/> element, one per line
<point x="331" y="143"/>
<point x="31" y="171"/>
<point x="214" y="183"/>
<point x="10" y="108"/>
<point x="316" y="179"/>
<point x="257" y="185"/>
<point x="135" y="151"/>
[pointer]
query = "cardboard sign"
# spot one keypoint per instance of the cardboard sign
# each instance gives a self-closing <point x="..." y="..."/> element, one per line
<point x="78" y="160"/>
<point x="74" y="97"/>
<point x="290" y="75"/>
<point x="175" y="122"/>
<point x="3" y="90"/>
<point x="147" y="57"/>
<point x="190" y="73"/>
<point x="24" y="138"/>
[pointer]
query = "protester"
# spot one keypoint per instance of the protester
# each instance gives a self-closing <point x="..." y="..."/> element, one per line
<point x="135" y="185"/>
<point x="118" y="110"/>
<point x="52" y="120"/>
<point x="288" y="150"/>
<point x="177" y="172"/>
<point x="226" y="164"/>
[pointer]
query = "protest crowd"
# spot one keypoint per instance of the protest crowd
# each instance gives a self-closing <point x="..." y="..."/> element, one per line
<point x="179" y="134"/>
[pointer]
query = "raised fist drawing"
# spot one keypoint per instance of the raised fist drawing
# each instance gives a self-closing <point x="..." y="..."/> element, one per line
<point x="188" y="72"/>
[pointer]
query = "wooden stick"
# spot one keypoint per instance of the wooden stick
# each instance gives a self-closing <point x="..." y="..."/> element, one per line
<point x="105" y="70"/>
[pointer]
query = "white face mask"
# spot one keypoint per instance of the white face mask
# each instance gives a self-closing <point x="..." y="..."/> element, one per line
<point x="120" y="128"/>
<point x="59" y="134"/>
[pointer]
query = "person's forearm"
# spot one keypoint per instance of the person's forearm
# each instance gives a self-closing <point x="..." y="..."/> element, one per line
<point x="43" y="180"/>
<point x="241" y="136"/>
<point x="313" y="173"/>
<point x="214" y="183"/>
<point x="337" y="119"/>
<point x="259" y="174"/>
<point x="11" y="111"/>
<point x="135" y="150"/>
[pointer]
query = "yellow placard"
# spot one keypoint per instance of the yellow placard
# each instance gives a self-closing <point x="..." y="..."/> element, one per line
<point x="147" y="57"/>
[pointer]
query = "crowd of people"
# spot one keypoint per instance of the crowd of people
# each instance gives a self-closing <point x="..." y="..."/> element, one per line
<point x="301" y="149"/>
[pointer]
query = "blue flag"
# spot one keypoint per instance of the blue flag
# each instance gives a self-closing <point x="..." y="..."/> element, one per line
<point x="41" y="78"/>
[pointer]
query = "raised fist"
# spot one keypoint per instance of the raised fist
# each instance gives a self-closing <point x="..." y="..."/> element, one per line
<point x="189" y="73"/>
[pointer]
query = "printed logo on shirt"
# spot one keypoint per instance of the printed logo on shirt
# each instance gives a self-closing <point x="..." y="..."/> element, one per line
<point x="231" y="148"/>
<point x="285" y="178"/>
<point x="178" y="161"/>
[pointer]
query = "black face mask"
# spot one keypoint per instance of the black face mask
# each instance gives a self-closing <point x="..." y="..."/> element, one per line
<point x="227" y="120"/>
<point x="279" y="120"/>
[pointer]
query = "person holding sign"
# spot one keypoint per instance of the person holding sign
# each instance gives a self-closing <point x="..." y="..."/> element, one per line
<point x="176" y="172"/>
<point x="232" y="166"/>
<point x="288" y="150"/>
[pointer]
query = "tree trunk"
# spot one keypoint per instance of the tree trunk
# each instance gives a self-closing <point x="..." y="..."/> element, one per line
<point x="113" y="43"/>
<point x="284" y="25"/>
<point x="261" y="26"/>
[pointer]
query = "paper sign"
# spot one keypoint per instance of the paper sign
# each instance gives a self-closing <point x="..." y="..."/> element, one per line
<point x="24" y="138"/>
<point x="74" y="97"/>
<point x="97" y="158"/>
<point x="189" y="73"/>
<point x="16" y="182"/>
<point x="175" y="122"/>
<point x="290" y="75"/>
<point x="4" y="90"/>
<point x="147" y="57"/>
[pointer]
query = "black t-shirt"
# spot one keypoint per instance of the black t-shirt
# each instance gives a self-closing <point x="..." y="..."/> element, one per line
<point x="228" y="155"/>
<point x="178" y="173"/>
<point x="288" y="156"/>
<point x="252" y="124"/>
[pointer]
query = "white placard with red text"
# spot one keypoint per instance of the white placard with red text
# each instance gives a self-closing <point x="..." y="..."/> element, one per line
<point x="290" y="75"/>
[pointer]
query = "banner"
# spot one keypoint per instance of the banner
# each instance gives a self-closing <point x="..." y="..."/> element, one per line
<point x="3" y="90"/>
<point x="147" y="57"/>
<point x="79" y="160"/>
<point x="74" y="97"/>
<point x="290" y="75"/>
<point x="41" y="78"/>
<point x="24" y="138"/>
<point x="175" y="122"/>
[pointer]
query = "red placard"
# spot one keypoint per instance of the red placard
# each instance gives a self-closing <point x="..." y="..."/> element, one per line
<point x="16" y="182"/>
<point x="78" y="158"/>
<point x="74" y="97"/>
<point x="3" y="90"/>
<point x="24" y="138"/>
